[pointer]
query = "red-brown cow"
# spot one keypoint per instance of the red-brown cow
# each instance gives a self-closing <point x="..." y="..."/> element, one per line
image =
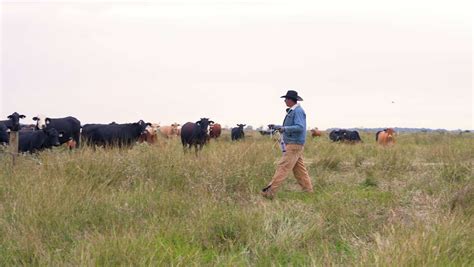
<point x="385" y="137"/>
<point x="150" y="135"/>
<point x="215" y="130"/>
<point x="315" y="132"/>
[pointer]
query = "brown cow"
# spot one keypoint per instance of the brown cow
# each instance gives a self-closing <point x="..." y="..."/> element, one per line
<point x="215" y="130"/>
<point x="315" y="132"/>
<point x="170" y="131"/>
<point x="385" y="137"/>
<point x="150" y="134"/>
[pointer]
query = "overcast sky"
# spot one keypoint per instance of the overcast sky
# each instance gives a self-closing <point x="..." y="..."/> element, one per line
<point x="366" y="63"/>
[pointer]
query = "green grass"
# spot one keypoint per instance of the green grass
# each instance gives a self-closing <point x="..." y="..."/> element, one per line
<point x="410" y="204"/>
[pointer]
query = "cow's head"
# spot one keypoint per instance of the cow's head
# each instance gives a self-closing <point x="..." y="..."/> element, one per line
<point x="241" y="126"/>
<point x="152" y="128"/>
<point x="204" y="124"/>
<point x="143" y="126"/>
<point x="15" y="119"/>
<point x="390" y="131"/>
<point x="53" y="136"/>
<point x="41" y="121"/>
<point x="214" y="126"/>
<point x="174" y="128"/>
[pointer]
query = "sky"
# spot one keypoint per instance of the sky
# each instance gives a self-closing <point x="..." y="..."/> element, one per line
<point x="366" y="63"/>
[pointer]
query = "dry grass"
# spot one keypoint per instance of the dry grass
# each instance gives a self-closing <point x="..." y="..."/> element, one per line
<point x="411" y="204"/>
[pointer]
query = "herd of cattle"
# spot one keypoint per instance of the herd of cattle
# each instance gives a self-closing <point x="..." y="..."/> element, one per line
<point x="49" y="132"/>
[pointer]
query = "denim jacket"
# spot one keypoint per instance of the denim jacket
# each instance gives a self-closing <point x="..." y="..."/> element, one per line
<point x="295" y="126"/>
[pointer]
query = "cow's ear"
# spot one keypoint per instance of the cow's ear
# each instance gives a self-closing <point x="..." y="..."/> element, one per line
<point x="47" y="120"/>
<point x="198" y="122"/>
<point x="148" y="124"/>
<point x="10" y="117"/>
<point x="35" y="118"/>
<point x="22" y="116"/>
<point x="211" y="122"/>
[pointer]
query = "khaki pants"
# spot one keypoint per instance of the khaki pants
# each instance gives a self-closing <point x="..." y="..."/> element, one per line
<point x="291" y="160"/>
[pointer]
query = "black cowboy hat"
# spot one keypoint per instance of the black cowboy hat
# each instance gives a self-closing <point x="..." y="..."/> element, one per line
<point x="293" y="95"/>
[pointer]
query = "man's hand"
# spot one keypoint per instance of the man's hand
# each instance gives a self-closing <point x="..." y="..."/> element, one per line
<point x="280" y="128"/>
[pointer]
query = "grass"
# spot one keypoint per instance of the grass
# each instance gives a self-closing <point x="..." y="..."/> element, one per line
<point x="410" y="204"/>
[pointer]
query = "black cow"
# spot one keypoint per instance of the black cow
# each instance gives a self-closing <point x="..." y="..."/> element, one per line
<point x="4" y="135"/>
<point x="114" y="134"/>
<point x="194" y="134"/>
<point x="344" y="135"/>
<point x="39" y="140"/>
<point x="238" y="132"/>
<point x="69" y="126"/>
<point x="13" y="122"/>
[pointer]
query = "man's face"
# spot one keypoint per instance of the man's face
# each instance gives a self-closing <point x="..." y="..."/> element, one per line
<point x="289" y="102"/>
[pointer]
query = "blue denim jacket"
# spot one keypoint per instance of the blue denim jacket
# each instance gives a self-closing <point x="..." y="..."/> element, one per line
<point x="295" y="126"/>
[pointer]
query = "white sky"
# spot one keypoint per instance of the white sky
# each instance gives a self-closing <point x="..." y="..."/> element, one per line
<point x="166" y="61"/>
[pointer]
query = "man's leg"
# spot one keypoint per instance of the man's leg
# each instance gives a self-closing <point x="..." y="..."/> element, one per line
<point x="285" y="165"/>
<point x="302" y="176"/>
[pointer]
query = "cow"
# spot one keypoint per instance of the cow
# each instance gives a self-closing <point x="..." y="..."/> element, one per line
<point x="150" y="134"/>
<point x="69" y="126"/>
<point x="195" y="134"/>
<point x="315" y="132"/>
<point x="385" y="137"/>
<point x="215" y="130"/>
<point x="344" y="136"/>
<point x="4" y="135"/>
<point x="238" y="132"/>
<point x="87" y="131"/>
<point x="169" y="131"/>
<point x="109" y="135"/>
<point x="13" y="122"/>
<point x="38" y="140"/>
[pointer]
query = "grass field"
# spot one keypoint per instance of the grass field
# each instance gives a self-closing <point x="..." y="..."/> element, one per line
<point x="411" y="204"/>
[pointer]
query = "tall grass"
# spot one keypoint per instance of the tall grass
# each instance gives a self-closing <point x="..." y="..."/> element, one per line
<point x="410" y="204"/>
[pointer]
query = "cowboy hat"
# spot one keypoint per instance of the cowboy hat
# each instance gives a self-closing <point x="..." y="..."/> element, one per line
<point x="292" y="95"/>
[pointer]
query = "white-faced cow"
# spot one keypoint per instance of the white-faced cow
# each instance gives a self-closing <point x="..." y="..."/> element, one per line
<point x="238" y="132"/>
<point x="38" y="140"/>
<point x="109" y="135"/>
<point x="69" y="126"/>
<point x="150" y="135"/>
<point x="195" y="134"/>
<point x="13" y="122"/>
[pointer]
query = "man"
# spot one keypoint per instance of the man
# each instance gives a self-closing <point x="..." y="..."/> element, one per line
<point x="294" y="136"/>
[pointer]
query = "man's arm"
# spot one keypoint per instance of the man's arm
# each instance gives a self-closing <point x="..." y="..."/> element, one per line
<point x="299" y="125"/>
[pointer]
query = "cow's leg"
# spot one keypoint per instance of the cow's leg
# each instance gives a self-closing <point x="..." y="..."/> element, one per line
<point x="196" y="149"/>
<point x="77" y="138"/>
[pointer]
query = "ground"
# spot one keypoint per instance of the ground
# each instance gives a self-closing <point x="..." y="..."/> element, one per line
<point x="410" y="204"/>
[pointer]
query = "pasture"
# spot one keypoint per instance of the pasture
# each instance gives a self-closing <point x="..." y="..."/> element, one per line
<point x="410" y="204"/>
